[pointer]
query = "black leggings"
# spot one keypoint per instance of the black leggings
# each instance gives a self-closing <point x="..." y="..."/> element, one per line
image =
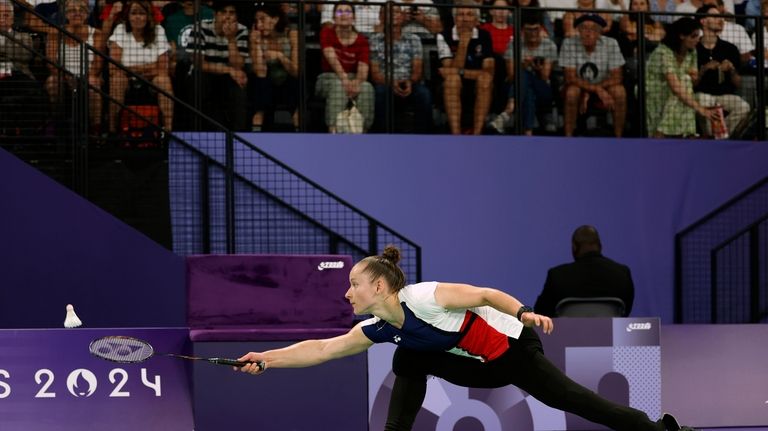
<point x="523" y="365"/>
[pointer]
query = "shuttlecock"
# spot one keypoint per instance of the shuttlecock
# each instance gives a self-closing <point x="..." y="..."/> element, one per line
<point x="72" y="321"/>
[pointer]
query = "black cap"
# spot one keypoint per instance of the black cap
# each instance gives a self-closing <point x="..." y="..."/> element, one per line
<point x="590" y="17"/>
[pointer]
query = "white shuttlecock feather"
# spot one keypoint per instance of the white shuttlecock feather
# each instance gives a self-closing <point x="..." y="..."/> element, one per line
<point x="72" y="321"/>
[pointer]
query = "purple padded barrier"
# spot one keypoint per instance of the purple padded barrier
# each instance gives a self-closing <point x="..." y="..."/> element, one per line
<point x="267" y="297"/>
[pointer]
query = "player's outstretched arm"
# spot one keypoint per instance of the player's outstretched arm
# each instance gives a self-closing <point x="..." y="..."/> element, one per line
<point x="308" y="353"/>
<point x="458" y="296"/>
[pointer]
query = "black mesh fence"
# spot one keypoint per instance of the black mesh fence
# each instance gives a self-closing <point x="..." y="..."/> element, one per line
<point x="721" y="263"/>
<point x="371" y="67"/>
<point x="93" y="93"/>
<point x="229" y="197"/>
<point x="108" y="127"/>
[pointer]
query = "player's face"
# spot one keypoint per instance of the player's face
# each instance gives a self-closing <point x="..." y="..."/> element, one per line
<point x="362" y="291"/>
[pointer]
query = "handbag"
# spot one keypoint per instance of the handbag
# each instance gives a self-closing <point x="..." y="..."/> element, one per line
<point x="350" y="120"/>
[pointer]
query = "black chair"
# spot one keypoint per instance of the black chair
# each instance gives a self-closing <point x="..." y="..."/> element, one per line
<point x="590" y="307"/>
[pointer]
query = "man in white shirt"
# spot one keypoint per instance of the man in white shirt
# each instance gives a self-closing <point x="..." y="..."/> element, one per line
<point x="593" y="67"/>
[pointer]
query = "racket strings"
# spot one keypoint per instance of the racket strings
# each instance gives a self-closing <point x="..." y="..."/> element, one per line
<point x="121" y="349"/>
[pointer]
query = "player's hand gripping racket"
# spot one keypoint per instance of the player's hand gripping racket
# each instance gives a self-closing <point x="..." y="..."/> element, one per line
<point x="132" y="350"/>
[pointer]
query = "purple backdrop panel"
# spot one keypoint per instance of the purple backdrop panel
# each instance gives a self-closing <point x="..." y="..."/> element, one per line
<point x="716" y="375"/>
<point x="237" y="297"/>
<point x="327" y="397"/>
<point x="600" y="354"/>
<point x="50" y="382"/>
<point x="519" y="198"/>
<point x="58" y="248"/>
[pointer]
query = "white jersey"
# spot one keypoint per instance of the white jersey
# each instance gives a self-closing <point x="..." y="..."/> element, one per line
<point x="480" y="332"/>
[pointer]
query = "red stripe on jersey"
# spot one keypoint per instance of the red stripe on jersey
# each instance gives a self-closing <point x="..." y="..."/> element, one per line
<point x="482" y="339"/>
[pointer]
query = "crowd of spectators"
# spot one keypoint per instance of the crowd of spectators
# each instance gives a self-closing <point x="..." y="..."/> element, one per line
<point x="446" y="65"/>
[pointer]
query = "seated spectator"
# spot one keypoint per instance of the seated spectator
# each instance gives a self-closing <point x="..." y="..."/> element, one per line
<point x="406" y="72"/>
<point x="719" y="79"/>
<point x="664" y="6"/>
<point x="48" y="10"/>
<point x="539" y="55"/>
<point x="222" y="47"/>
<point x="420" y="18"/>
<point x="628" y="42"/>
<point x="499" y="29"/>
<point x="733" y="32"/>
<point x="345" y="65"/>
<point x="275" y="55"/>
<point x="178" y="28"/>
<point x="22" y="101"/>
<point x="366" y="15"/>
<point x="671" y="107"/>
<point x="593" y="71"/>
<point x="466" y="55"/>
<point x="590" y="275"/>
<point x="140" y="45"/>
<point x="584" y="7"/>
<point x="549" y="27"/>
<point x="629" y="23"/>
<point x="311" y="17"/>
<point x="114" y="13"/>
<point x="753" y="8"/>
<point x="688" y="6"/>
<point x="76" y="13"/>
<point x="619" y="6"/>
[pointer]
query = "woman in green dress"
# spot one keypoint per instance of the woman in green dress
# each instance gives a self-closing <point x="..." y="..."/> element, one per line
<point x="670" y="74"/>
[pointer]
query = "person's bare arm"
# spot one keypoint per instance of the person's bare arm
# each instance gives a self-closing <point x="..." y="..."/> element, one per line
<point x="310" y="352"/>
<point x="455" y="296"/>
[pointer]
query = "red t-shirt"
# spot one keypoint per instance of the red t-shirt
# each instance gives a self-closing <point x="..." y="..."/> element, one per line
<point x="500" y="37"/>
<point x="348" y="55"/>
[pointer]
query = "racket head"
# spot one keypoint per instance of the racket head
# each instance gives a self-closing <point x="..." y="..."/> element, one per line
<point x="122" y="349"/>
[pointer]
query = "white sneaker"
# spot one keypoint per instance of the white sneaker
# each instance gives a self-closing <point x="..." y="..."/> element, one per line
<point x="500" y="122"/>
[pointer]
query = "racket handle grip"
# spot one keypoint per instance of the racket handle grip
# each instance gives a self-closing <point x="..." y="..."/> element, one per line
<point x="235" y="363"/>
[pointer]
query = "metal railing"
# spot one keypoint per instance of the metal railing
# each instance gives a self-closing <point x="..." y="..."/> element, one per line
<point x="720" y="263"/>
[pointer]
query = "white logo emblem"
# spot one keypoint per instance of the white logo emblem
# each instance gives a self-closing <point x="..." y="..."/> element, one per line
<point x="397" y="338"/>
<point x="77" y="381"/>
<point x="330" y="265"/>
<point x="639" y="326"/>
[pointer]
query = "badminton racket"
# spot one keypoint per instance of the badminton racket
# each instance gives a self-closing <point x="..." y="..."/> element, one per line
<point x="131" y="350"/>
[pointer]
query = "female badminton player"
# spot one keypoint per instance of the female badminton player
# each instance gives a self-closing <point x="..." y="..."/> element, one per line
<point x="467" y="335"/>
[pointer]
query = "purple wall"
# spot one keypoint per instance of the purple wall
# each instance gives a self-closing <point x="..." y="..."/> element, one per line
<point x="499" y="211"/>
<point x="58" y="248"/>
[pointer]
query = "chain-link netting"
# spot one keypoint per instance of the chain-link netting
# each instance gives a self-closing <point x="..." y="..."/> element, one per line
<point x="721" y="261"/>
<point x="613" y="68"/>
